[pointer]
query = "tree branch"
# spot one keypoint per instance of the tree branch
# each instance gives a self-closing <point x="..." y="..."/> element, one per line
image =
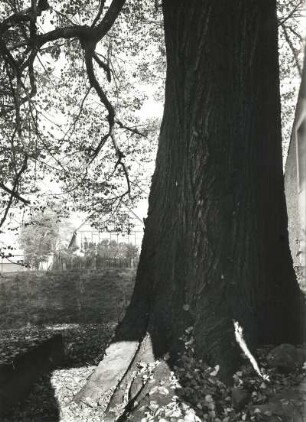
<point x="119" y="162"/>
<point x="88" y="38"/>
<point x="101" y="7"/>
<point x="291" y="46"/>
<point x="13" y="191"/>
<point x="299" y="4"/>
<point x="130" y="129"/>
<point x="95" y="84"/>
<point x="299" y="36"/>
<point x="104" y="66"/>
<point x="109" y="18"/>
<point x="77" y="31"/>
<point x="26" y="15"/>
<point x="63" y="16"/>
<point x="15" y="194"/>
<point x="72" y="127"/>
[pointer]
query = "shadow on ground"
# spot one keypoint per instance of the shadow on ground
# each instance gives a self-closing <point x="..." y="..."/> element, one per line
<point x="84" y="348"/>
<point x="39" y="406"/>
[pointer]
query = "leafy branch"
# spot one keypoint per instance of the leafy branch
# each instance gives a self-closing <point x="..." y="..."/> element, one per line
<point x="13" y="191"/>
<point x="293" y="50"/>
<point x="298" y="5"/>
<point x="20" y="67"/>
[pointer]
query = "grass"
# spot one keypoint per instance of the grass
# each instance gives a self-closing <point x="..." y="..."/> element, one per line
<point x="197" y="394"/>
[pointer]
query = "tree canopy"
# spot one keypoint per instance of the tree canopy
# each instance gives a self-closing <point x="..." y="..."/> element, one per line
<point x="38" y="238"/>
<point x="73" y="79"/>
<point x="74" y="83"/>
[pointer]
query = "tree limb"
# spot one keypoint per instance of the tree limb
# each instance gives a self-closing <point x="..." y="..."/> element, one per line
<point x="72" y="127"/>
<point x="130" y="129"/>
<point x="299" y="36"/>
<point x="101" y="7"/>
<point x="104" y="66"/>
<point x="119" y="162"/>
<point x="95" y="84"/>
<point x="15" y="194"/>
<point x="291" y="46"/>
<point x="109" y="18"/>
<point x="13" y="191"/>
<point x="299" y="4"/>
<point x="77" y="31"/>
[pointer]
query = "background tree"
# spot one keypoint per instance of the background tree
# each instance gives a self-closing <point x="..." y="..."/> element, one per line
<point x="39" y="237"/>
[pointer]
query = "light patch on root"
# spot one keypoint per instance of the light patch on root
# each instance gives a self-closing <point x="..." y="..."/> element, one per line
<point x="159" y="401"/>
<point x="109" y="373"/>
<point x="240" y="340"/>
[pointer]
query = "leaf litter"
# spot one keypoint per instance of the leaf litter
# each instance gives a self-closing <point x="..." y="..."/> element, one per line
<point x="196" y="393"/>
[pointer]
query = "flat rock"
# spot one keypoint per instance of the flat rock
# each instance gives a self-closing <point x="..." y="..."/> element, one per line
<point x="288" y="406"/>
<point x="240" y="398"/>
<point x="286" y="358"/>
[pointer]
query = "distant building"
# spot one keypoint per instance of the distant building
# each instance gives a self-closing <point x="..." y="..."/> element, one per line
<point x="77" y="235"/>
<point x="11" y="265"/>
<point x="85" y="234"/>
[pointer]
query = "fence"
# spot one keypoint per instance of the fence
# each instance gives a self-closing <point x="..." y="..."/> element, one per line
<point x="97" y="262"/>
<point x="92" y="251"/>
<point x="95" y="237"/>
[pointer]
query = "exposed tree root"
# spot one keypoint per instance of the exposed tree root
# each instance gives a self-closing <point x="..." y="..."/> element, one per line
<point x="132" y="383"/>
<point x="110" y="371"/>
<point x="127" y="380"/>
<point x="155" y="394"/>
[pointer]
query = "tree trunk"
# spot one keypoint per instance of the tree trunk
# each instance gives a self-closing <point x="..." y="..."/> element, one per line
<point x="215" y="247"/>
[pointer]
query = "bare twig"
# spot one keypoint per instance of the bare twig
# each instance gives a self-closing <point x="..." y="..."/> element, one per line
<point x="72" y="126"/>
<point x="130" y="129"/>
<point x="63" y="16"/>
<point x="299" y="36"/>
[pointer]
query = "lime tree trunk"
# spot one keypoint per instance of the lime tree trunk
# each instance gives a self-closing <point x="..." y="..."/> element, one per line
<point x="215" y="247"/>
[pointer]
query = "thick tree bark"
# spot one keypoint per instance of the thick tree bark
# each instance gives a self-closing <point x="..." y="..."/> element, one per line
<point x="215" y="247"/>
